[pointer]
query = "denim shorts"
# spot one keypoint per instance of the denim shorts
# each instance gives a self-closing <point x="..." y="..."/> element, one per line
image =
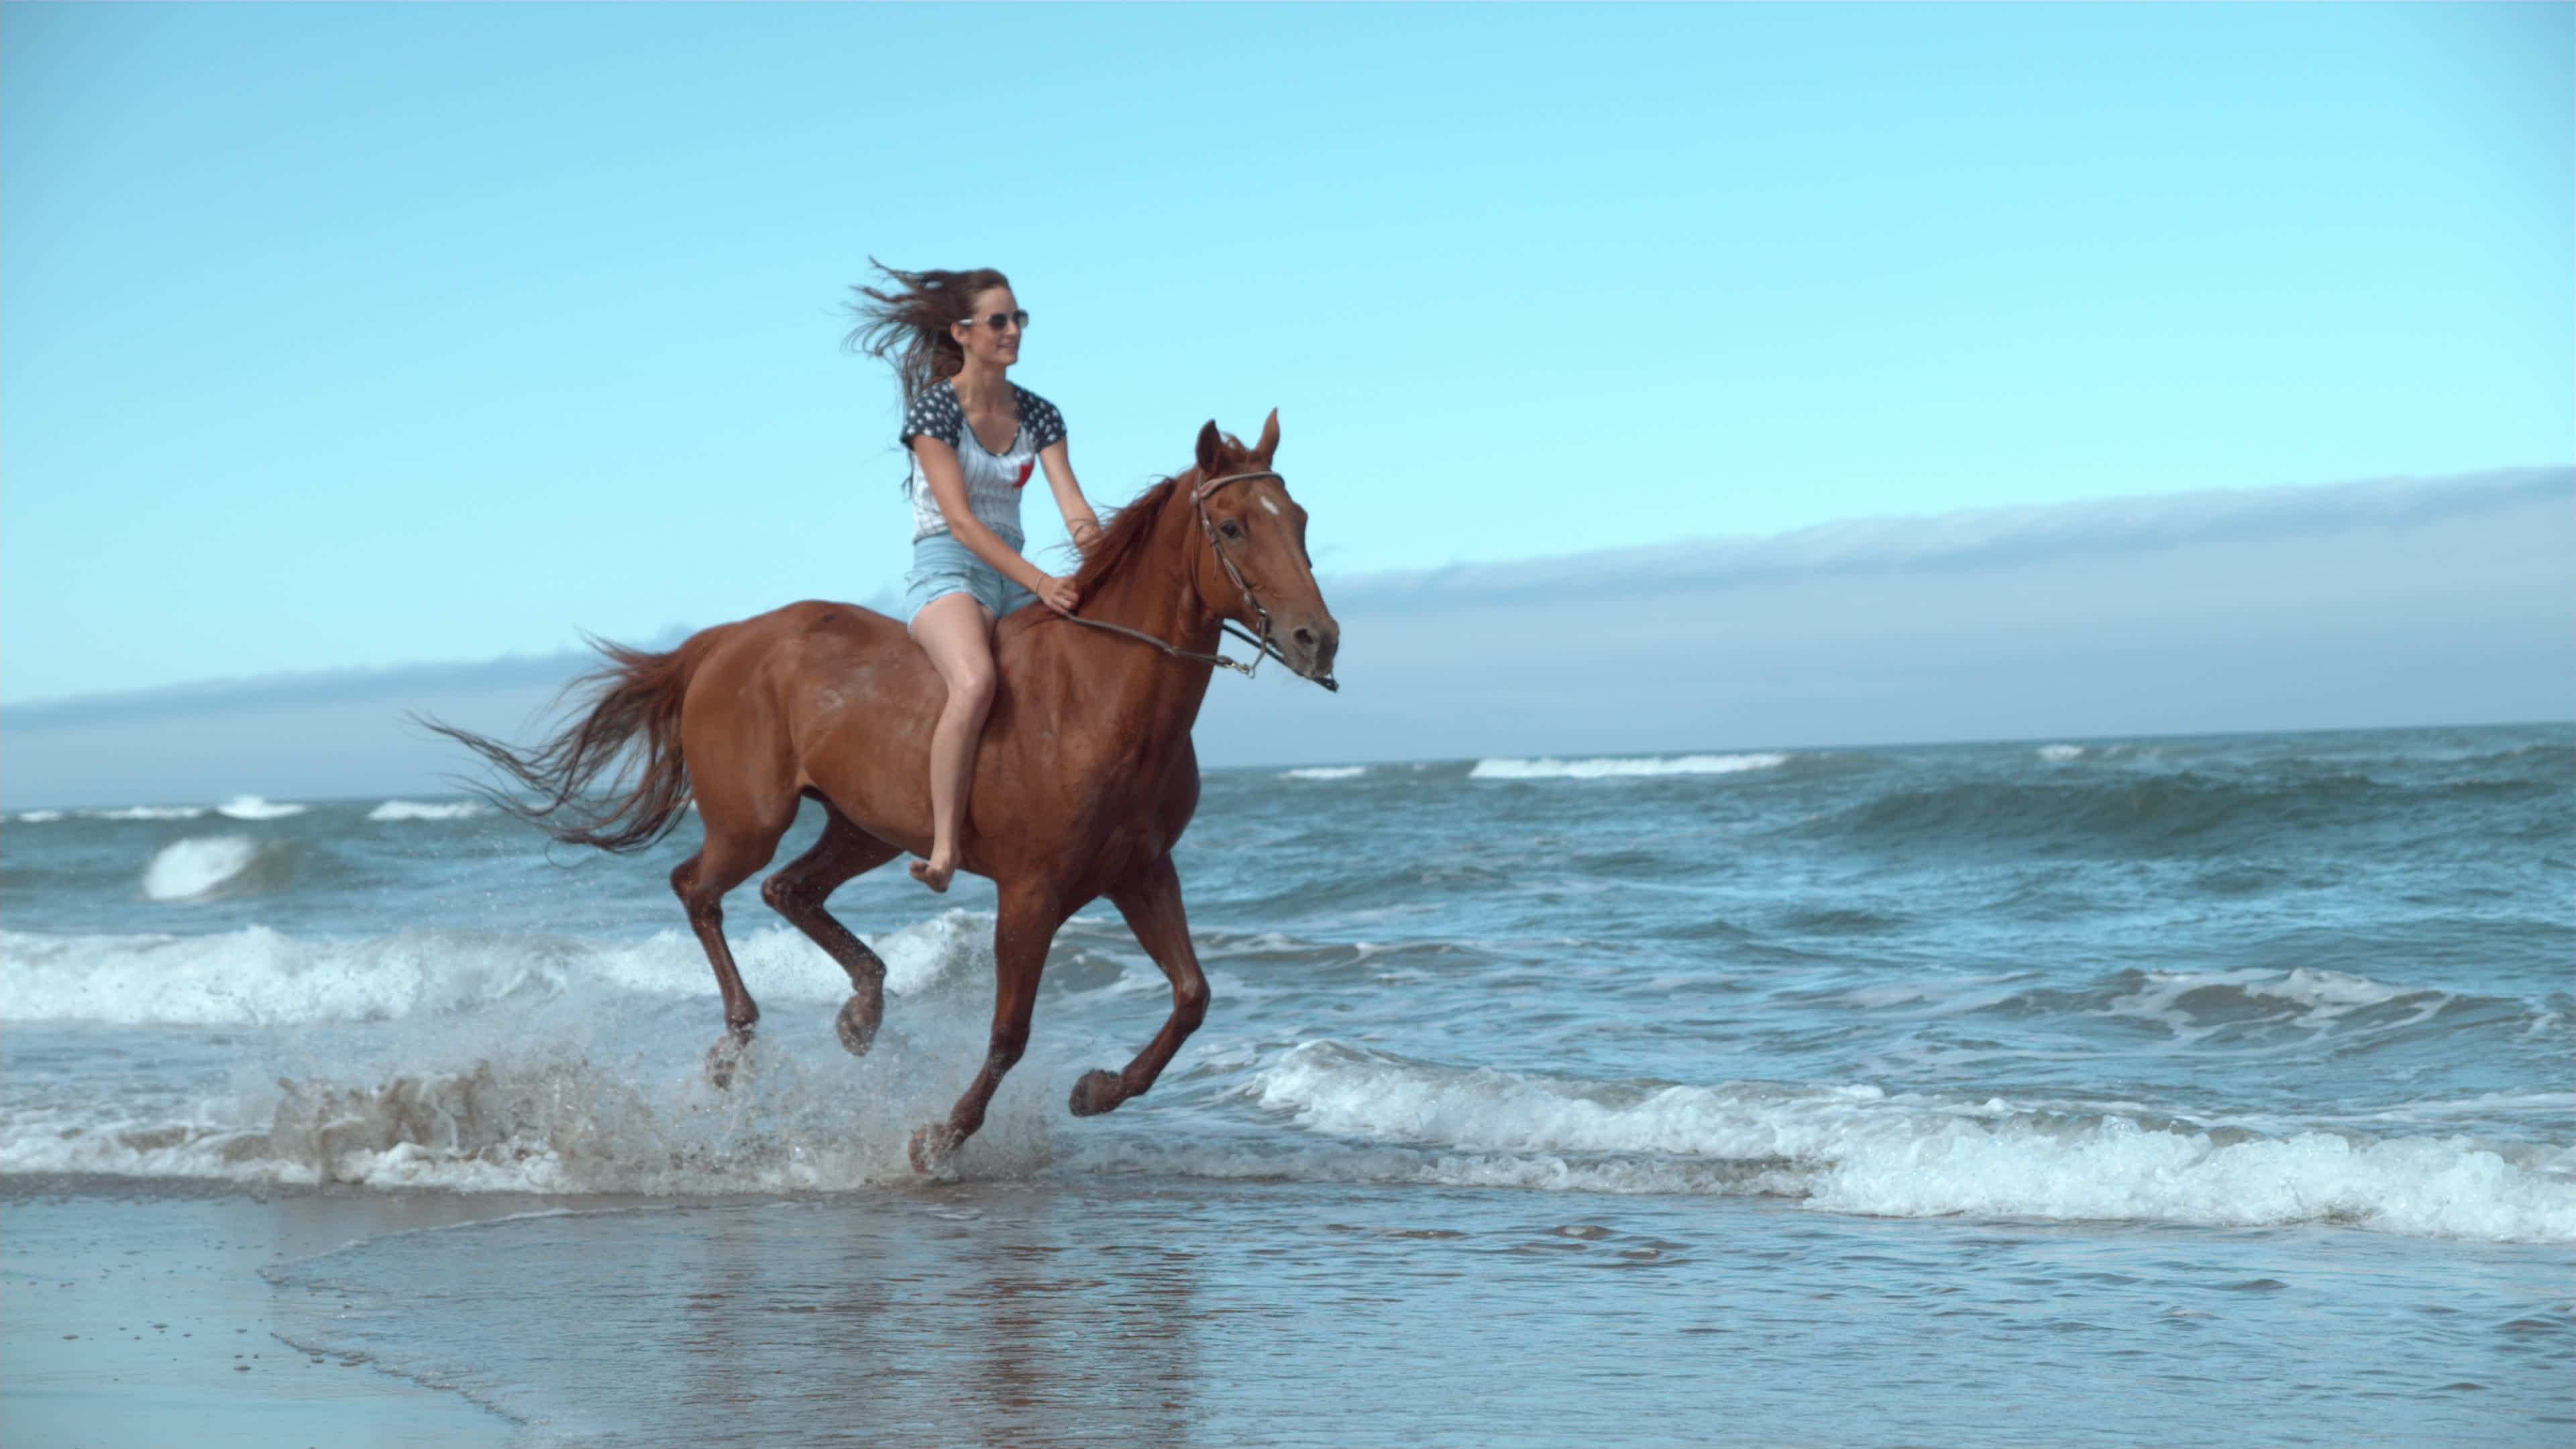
<point x="942" y="566"/>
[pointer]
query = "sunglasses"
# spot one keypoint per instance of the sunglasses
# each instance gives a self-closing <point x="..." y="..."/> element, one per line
<point x="999" y="320"/>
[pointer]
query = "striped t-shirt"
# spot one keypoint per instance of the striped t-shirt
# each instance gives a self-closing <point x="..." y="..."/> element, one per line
<point x="993" y="480"/>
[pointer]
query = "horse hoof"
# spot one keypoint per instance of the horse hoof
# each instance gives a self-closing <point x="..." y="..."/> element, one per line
<point x="1097" y="1092"/>
<point x="857" y="1024"/>
<point x="725" y="1058"/>
<point x="933" y="1147"/>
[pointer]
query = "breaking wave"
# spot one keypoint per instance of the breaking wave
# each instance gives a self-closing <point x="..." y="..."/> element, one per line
<point x="240" y="807"/>
<point x="2199" y="1003"/>
<point x="2180" y="811"/>
<point x="1620" y="767"/>
<point x="562" y="1116"/>
<point x="252" y="807"/>
<point x="513" y="1064"/>
<point x="416" y="810"/>
<point x="1857" y="1149"/>
<point x="257" y="976"/>
<point x="219" y="867"/>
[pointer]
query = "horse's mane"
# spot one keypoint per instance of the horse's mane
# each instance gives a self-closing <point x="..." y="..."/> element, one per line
<point x="1124" y="534"/>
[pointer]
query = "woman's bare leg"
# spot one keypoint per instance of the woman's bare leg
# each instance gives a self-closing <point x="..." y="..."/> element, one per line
<point x="958" y="633"/>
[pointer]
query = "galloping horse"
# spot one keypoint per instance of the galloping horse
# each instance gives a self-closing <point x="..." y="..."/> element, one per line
<point x="1084" y="780"/>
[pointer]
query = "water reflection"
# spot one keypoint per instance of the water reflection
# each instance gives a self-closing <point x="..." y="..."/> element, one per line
<point x="1155" y="1313"/>
<point x="931" y="1317"/>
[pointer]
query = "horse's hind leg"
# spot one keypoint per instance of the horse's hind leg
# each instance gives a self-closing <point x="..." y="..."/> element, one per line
<point x="798" y="891"/>
<point x="1151" y="902"/>
<point x="725" y="861"/>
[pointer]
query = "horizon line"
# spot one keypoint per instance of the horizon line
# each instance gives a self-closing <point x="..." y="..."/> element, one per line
<point x="1569" y="756"/>
<point x="1862" y="542"/>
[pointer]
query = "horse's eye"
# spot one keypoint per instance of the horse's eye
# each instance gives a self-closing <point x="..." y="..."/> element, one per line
<point x="1230" y="529"/>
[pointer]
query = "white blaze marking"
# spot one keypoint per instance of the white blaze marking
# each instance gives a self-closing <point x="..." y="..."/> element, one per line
<point x="1273" y="507"/>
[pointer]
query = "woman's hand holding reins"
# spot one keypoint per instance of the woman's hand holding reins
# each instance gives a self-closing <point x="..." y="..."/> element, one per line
<point x="1057" y="593"/>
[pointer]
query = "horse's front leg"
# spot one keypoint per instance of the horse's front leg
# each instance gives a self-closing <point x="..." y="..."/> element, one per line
<point x="1151" y="902"/>
<point x="1027" y="925"/>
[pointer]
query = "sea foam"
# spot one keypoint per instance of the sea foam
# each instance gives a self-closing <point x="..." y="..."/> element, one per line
<point x="2197" y="1004"/>
<point x="557" y="1118"/>
<point x="417" y="810"/>
<point x="488" y="1063"/>
<point x="548" y="1112"/>
<point x="1854" y="1148"/>
<point x="1620" y="767"/>
<point x="252" y="807"/>
<point x="260" y="976"/>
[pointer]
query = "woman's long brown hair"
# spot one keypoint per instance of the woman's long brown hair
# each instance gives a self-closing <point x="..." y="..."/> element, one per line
<point x="907" y="324"/>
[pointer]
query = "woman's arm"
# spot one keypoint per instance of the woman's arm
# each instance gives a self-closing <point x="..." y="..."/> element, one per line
<point x="1079" y="520"/>
<point x="938" y="463"/>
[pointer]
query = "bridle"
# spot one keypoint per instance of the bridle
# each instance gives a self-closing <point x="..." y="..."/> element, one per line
<point x="1216" y="543"/>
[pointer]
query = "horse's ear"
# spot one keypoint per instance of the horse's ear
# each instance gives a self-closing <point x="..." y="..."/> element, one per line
<point x="1211" y="450"/>
<point x="1269" y="443"/>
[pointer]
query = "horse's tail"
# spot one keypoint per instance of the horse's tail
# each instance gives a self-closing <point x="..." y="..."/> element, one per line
<point x="635" y="697"/>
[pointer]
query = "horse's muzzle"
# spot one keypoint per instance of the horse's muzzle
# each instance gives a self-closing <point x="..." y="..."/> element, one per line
<point x="1311" y="647"/>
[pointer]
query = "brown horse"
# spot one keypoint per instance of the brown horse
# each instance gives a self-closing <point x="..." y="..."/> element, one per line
<point x="1084" y="780"/>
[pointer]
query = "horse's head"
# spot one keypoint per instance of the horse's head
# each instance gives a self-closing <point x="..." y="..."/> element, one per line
<point x="1257" y="542"/>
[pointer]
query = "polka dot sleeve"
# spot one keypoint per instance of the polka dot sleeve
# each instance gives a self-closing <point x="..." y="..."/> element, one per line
<point x="935" y="414"/>
<point x="1044" y="425"/>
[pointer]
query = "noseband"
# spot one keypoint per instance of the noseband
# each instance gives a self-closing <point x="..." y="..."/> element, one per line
<point x="1216" y="543"/>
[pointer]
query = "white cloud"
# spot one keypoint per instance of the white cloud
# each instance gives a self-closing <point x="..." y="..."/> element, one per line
<point x="2360" y="604"/>
<point x="2364" y="604"/>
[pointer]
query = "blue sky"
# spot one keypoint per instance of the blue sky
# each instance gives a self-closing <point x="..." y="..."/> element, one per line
<point x="359" y="336"/>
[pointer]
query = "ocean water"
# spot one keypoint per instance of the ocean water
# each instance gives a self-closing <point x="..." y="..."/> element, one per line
<point x="2082" y="1091"/>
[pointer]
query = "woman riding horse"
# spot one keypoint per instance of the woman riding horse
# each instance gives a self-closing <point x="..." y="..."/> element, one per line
<point x="1087" y="776"/>
<point x="975" y="437"/>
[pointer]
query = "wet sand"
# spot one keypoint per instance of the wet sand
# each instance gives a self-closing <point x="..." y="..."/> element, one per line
<point x="1144" y="1310"/>
<point x="134" y="1317"/>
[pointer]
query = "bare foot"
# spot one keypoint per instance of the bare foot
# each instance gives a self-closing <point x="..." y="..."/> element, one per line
<point x="933" y="874"/>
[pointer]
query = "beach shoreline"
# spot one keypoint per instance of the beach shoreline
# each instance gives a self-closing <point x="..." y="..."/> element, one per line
<point x="2099" y="1092"/>
<point x="135" y="1313"/>
<point x="1080" y="1307"/>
